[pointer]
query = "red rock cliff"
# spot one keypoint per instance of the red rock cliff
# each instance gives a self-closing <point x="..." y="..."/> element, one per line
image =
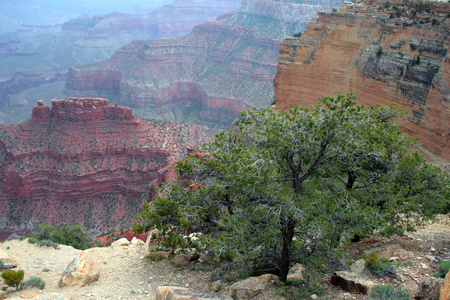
<point x="84" y="161"/>
<point x="384" y="54"/>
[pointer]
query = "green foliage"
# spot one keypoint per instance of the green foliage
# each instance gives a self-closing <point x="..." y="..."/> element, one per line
<point x="48" y="243"/>
<point x="155" y="257"/>
<point x="13" y="278"/>
<point x="202" y="268"/>
<point x="32" y="240"/>
<point x="380" y="266"/>
<point x="380" y="51"/>
<point x="35" y="282"/>
<point x="442" y="269"/>
<point x="298" y="34"/>
<point x="388" y="292"/>
<point x="71" y="235"/>
<point x="284" y="188"/>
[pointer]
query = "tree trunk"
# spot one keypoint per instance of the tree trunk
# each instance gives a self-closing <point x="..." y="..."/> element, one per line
<point x="287" y="230"/>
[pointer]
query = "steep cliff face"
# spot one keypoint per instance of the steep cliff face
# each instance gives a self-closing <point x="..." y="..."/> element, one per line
<point x="85" y="161"/>
<point x="384" y="54"/>
<point x="207" y="76"/>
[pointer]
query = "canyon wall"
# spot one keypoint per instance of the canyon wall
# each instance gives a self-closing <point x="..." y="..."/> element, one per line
<point x="206" y="77"/>
<point x="89" y="39"/>
<point x="87" y="162"/>
<point x="396" y="53"/>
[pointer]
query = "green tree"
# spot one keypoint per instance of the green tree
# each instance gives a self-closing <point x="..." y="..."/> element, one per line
<point x="73" y="235"/>
<point x="283" y="188"/>
<point x="13" y="278"/>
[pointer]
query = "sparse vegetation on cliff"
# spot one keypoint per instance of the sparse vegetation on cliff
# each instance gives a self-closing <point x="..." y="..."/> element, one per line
<point x="283" y="188"/>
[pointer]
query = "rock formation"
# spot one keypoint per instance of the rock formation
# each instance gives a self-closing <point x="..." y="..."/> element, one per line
<point x="207" y="76"/>
<point x="93" y="38"/>
<point x="396" y="53"/>
<point x="85" y="161"/>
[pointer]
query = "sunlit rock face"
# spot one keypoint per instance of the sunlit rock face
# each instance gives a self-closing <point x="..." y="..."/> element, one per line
<point x="206" y="77"/>
<point x="87" y="162"/>
<point x="384" y="55"/>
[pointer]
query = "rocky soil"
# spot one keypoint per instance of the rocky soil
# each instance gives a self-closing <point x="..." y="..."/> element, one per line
<point x="126" y="274"/>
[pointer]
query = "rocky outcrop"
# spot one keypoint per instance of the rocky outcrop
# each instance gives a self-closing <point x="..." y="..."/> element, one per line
<point x="81" y="271"/>
<point x="85" y="161"/>
<point x="384" y="54"/>
<point x="205" y="77"/>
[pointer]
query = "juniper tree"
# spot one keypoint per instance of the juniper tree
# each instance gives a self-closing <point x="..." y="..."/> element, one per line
<point x="283" y="188"/>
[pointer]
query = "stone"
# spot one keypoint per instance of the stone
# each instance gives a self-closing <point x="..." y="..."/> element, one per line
<point x="387" y="250"/>
<point x="429" y="289"/>
<point x="2" y="295"/>
<point x="180" y="293"/>
<point x="250" y="287"/>
<point x="81" y="271"/>
<point x="123" y="242"/>
<point x="7" y="260"/>
<point x="445" y="289"/>
<point x="137" y="242"/>
<point x="295" y="273"/>
<point x="354" y="281"/>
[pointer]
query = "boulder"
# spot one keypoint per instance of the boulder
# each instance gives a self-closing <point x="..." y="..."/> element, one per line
<point x="137" y="242"/>
<point x="445" y="289"/>
<point x="123" y="242"/>
<point x="429" y="289"/>
<point x="354" y="281"/>
<point x="296" y="273"/>
<point x="7" y="260"/>
<point x="81" y="271"/>
<point x="179" y="293"/>
<point x="251" y="287"/>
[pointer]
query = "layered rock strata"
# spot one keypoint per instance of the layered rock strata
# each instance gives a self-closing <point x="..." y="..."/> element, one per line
<point x="207" y="76"/>
<point x="85" y="161"/>
<point x="384" y="53"/>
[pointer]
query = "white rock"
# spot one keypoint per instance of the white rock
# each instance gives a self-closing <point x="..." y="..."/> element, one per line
<point x="123" y="242"/>
<point x="81" y="271"/>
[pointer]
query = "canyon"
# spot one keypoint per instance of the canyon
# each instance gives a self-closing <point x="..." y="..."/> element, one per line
<point x="87" y="162"/>
<point x="84" y="40"/>
<point x="384" y="53"/>
<point x="205" y="77"/>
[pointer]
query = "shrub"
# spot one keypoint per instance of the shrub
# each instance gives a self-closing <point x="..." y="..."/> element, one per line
<point x="298" y="34"/>
<point x="379" y="51"/>
<point x="35" y="282"/>
<point x="442" y="269"/>
<point x="380" y="266"/>
<point x="13" y="278"/>
<point x="202" y="268"/>
<point x="216" y="276"/>
<point x="48" y="243"/>
<point x="32" y="240"/>
<point x="388" y="292"/>
<point x="72" y="235"/>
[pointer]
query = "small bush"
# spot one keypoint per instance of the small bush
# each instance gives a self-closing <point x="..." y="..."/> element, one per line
<point x="379" y="51"/>
<point x="334" y="9"/>
<point x="202" y="268"/>
<point x="13" y="278"/>
<point x="298" y="34"/>
<point x="48" y="243"/>
<point x="380" y="266"/>
<point x="216" y="276"/>
<point x="442" y="269"/>
<point x="388" y="292"/>
<point x="72" y="235"/>
<point x="35" y="282"/>
<point x="32" y="240"/>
